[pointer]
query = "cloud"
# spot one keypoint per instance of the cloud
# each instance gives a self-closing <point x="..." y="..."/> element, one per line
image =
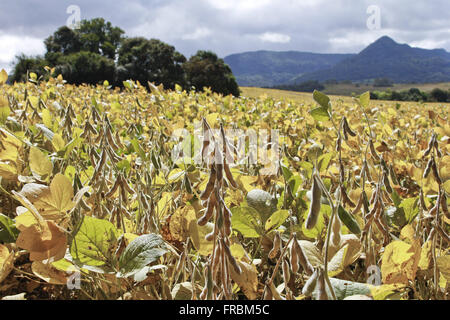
<point x="13" y="45"/>
<point x="199" y="33"/>
<point x="232" y="26"/>
<point x="274" y="37"/>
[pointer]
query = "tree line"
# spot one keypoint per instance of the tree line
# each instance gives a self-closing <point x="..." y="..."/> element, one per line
<point x="99" y="51"/>
<point x="413" y="94"/>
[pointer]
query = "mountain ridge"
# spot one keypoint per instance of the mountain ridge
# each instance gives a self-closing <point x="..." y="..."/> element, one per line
<point x="384" y="58"/>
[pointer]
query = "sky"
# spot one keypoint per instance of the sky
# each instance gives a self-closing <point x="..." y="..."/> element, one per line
<point x="233" y="26"/>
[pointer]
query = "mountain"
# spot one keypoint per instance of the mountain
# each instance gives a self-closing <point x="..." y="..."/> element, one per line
<point x="269" y="68"/>
<point x="385" y="58"/>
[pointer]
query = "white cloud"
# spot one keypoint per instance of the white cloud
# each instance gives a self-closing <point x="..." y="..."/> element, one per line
<point x="274" y="37"/>
<point x="429" y="43"/>
<point x="238" y="4"/>
<point x="199" y="33"/>
<point x="14" y="45"/>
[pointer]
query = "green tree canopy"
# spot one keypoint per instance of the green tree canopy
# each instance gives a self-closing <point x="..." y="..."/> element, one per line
<point x="26" y="64"/>
<point x="205" y="69"/>
<point x="150" y="60"/>
<point x="85" y="67"/>
<point x="96" y="36"/>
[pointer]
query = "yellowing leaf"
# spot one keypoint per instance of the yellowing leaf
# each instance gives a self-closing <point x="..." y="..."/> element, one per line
<point x="198" y="234"/>
<point x="276" y="219"/>
<point x="349" y="252"/>
<point x="3" y="76"/>
<point x="399" y="263"/>
<point x="6" y="262"/>
<point x="58" y="142"/>
<point x="57" y="200"/>
<point x="443" y="264"/>
<point x="163" y="204"/>
<point x="25" y="220"/>
<point x="426" y="257"/>
<point x="39" y="163"/>
<point x="212" y="119"/>
<point x="246" y="182"/>
<point x="385" y="290"/>
<point x="238" y="251"/>
<point x="182" y="222"/>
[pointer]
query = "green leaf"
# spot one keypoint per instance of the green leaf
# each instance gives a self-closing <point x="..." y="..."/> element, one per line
<point x="287" y="174"/>
<point x="322" y="99"/>
<point x="140" y="252"/>
<point x="348" y="220"/>
<point x="320" y="114"/>
<point x="127" y="84"/>
<point x="396" y="198"/>
<point x="39" y="163"/>
<point x="8" y="230"/>
<point x="411" y="208"/>
<point x="324" y="161"/>
<point x="320" y="225"/>
<point x="277" y="219"/>
<point x="294" y="183"/>
<point x="124" y="165"/>
<point x="4" y="113"/>
<point x="138" y="149"/>
<point x="94" y="242"/>
<point x="247" y="221"/>
<point x="308" y="167"/>
<point x="395" y="216"/>
<point x="364" y="99"/>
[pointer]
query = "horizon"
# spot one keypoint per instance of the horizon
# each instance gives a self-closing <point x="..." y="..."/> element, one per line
<point x="314" y="26"/>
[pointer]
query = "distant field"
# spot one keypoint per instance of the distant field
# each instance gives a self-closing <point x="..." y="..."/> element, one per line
<point x="306" y="97"/>
<point x="348" y="89"/>
<point x="342" y="89"/>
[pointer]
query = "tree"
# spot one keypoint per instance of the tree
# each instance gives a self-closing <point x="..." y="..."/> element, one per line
<point x="96" y="36"/>
<point x="86" y="67"/>
<point x="205" y="69"/>
<point x="26" y="64"/>
<point x="150" y="60"/>
<point x="85" y="55"/>
<point x="439" y="95"/>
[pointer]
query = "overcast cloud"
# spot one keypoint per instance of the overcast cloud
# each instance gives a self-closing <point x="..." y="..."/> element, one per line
<point x="232" y="26"/>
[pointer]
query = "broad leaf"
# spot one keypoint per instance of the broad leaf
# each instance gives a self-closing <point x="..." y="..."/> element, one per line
<point x="277" y="219"/>
<point x="93" y="242"/>
<point x="140" y="252"/>
<point x="247" y="221"/>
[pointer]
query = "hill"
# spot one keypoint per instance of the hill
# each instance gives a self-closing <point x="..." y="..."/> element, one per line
<point x="384" y="58"/>
<point x="270" y="68"/>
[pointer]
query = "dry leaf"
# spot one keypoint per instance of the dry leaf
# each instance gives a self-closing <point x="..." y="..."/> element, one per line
<point x="48" y="273"/>
<point x="6" y="262"/>
<point x="443" y="264"/>
<point x="247" y="280"/>
<point x="43" y="241"/>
